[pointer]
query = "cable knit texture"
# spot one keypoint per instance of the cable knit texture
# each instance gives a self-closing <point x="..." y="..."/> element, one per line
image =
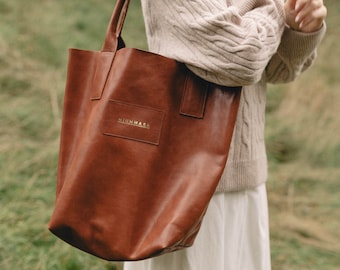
<point x="233" y="42"/>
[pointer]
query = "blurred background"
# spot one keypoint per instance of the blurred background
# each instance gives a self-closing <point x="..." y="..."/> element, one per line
<point x="303" y="138"/>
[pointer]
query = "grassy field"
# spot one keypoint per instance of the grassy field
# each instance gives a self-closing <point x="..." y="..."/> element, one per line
<point x="303" y="139"/>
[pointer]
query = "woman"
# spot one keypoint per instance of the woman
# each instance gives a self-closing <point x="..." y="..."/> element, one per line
<point x="235" y="42"/>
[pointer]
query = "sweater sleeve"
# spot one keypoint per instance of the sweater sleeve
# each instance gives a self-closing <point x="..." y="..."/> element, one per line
<point x="229" y="44"/>
<point x="295" y="54"/>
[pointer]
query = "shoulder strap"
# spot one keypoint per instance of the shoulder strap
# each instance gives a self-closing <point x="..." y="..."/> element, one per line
<point x="113" y="34"/>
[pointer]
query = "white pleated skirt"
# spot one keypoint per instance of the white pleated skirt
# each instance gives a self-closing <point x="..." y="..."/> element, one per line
<point x="234" y="236"/>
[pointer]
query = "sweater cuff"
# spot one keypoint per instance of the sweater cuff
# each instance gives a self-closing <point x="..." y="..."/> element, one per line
<point x="299" y="44"/>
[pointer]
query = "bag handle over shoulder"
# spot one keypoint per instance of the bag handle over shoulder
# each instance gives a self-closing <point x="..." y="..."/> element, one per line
<point x="113" y="38"/>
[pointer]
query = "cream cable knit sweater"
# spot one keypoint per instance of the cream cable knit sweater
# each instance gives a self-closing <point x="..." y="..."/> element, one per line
<point x="234" y="42"/>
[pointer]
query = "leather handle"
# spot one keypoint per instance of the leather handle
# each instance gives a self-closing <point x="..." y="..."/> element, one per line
<point x="112" y="43"/>
<point x="113" y="32"/>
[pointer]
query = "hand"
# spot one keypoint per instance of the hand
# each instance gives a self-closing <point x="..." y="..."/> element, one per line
<point x="305" y="15"/>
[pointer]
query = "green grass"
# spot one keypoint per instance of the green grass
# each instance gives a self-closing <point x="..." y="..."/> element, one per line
<point x="302" y="138"/>
<point x="303" y="142"/>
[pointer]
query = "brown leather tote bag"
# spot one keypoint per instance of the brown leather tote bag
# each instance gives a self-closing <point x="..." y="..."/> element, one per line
<point x="143" y="145"/>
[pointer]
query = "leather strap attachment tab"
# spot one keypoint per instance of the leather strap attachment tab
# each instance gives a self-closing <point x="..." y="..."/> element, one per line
<point x="194" y="97"/>
<point x="104" y="62"/>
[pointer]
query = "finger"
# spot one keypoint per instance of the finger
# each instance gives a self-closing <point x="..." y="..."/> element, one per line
<point x="311" y="26"/>
<point x="291" y="4"/>
<point x="307" y="10"/>
<point x="299" y="4"/>
<point x="315" y="21"/>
